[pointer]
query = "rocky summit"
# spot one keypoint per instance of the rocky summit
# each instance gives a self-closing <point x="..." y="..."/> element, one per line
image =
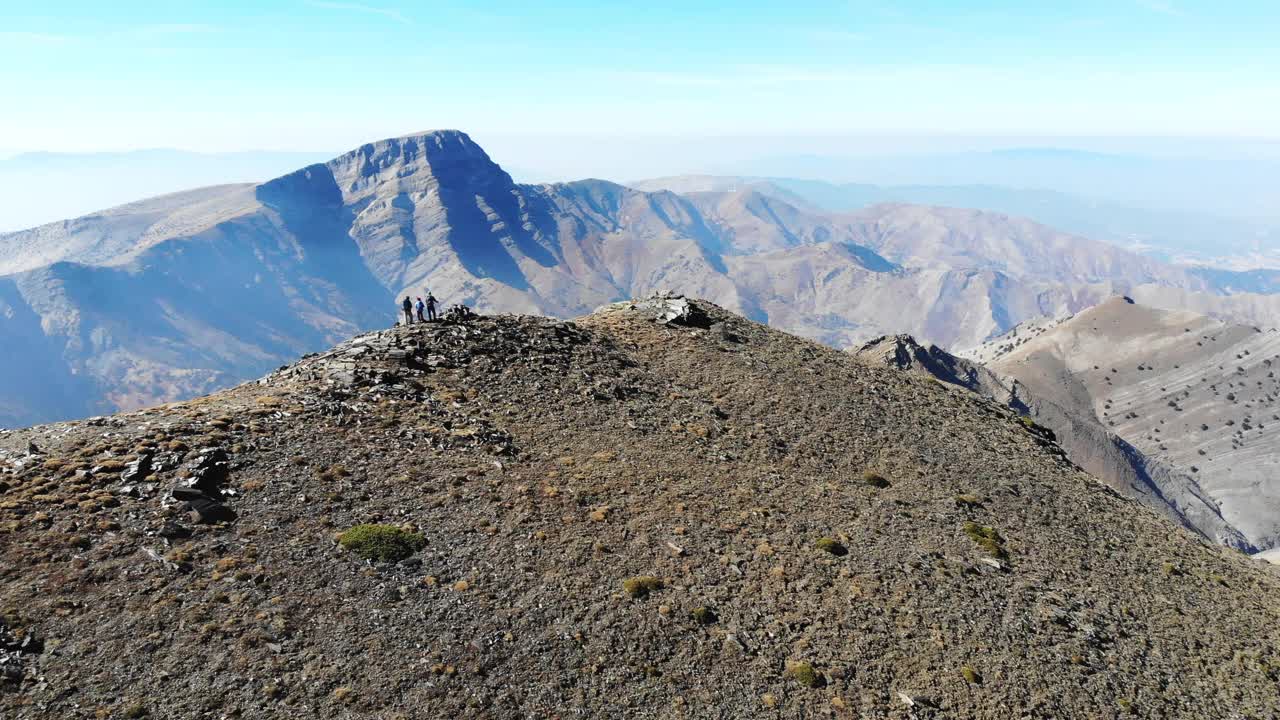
<point x="659" y="510"/>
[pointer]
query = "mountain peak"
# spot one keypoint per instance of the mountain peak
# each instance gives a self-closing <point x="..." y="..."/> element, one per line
<point x="426" y="141"/>
<point x="410" y="162"/>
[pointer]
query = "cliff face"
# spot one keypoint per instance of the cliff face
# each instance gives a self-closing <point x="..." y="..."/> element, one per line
<point x="658" y="510"/>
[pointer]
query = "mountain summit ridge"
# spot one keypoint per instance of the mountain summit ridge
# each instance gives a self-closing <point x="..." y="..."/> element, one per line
<point x="657" y="510"/>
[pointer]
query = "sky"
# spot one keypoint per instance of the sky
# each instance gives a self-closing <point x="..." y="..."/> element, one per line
<point x="309" y="75"/>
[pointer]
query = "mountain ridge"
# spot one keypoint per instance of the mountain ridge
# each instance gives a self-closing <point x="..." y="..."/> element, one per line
<point x="129" y="300"/>
<point x="658" y="510"/>
<point x="1150" y="480"/>
<point x="1191" y="392"/>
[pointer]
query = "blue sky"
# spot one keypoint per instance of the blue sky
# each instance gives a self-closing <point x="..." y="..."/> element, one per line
<point x="319" y="74"/>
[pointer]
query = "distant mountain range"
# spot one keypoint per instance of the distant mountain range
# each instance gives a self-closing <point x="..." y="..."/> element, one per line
<point x="1185" y="236"/>
<point x="1225" y="181"/>
<point x="177" y="295"/>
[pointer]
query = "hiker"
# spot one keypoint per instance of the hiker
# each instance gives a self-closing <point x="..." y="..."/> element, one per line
<point x="431" y="306"/>
<point x="419" y="308"/>
<point x="407" y="306"/>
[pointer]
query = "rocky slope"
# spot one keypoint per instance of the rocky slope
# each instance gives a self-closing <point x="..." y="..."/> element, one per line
<point x="615" y="518"/>
<point x="1197" y="395"/>
<point x="174" y="296"/>
<point x="1087" y="441"/>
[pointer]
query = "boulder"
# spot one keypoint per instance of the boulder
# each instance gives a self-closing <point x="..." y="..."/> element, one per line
<point x="208" y="512"/>
<point x="138" y="469"/>
<point x="209" y="471"/>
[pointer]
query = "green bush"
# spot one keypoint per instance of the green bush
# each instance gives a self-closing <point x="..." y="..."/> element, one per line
<point x="383" y="543"/>
<point x="803" y="673"/>
<point x="703" y="615"/>
<point x="875" y="480"/>
<point x="987" y="538"/>
<point x="970" y="675"/>
<point x="832" y="546"/>
<point x="641" y="586"/>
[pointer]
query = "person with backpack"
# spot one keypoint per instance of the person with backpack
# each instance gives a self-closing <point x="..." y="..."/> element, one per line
<point x="419" y="308"/>
<point x="407" y="306"/>
<point x="431" y="306"/>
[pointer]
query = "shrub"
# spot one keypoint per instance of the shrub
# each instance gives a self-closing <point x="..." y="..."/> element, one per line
<point x="875" y="480"/>
<point x="987" y="538"/>
<point x="967" y="500"/>
<point x="832" y="546"/>
<point x="641" y="585"/>
<point x="704" y="615"/>
<point x="383" y="543"/>
<point x="970" y="675"/>
<point x="333" y="472"/>
<point x="803" y="673"/>
<point x="1037" y="429"/>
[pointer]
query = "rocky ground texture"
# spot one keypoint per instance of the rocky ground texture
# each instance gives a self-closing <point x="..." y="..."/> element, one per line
<point x="661" y="510"/>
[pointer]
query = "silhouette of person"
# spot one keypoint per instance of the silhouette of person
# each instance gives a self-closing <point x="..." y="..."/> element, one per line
<point x="419" y="308"/>
<point x="431" y="306"/>
<point x="407" y="306"/>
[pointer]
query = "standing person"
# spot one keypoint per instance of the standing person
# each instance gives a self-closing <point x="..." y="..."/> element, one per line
<point x="419" y="308"/>
<point x="407" y="306"/>
<point x="431" y="306"/>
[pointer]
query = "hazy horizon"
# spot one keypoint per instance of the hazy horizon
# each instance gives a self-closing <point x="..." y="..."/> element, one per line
<point x="1158" y="104"/>
<point x="1224" y="176"/>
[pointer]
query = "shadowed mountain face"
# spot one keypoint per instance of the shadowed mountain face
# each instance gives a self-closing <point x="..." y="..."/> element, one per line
<point x="180" y="294"/>
<point x="1197" y="396"/>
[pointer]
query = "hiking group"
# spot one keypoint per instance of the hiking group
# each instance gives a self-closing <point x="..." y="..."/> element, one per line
<point x="408" y="306"/>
